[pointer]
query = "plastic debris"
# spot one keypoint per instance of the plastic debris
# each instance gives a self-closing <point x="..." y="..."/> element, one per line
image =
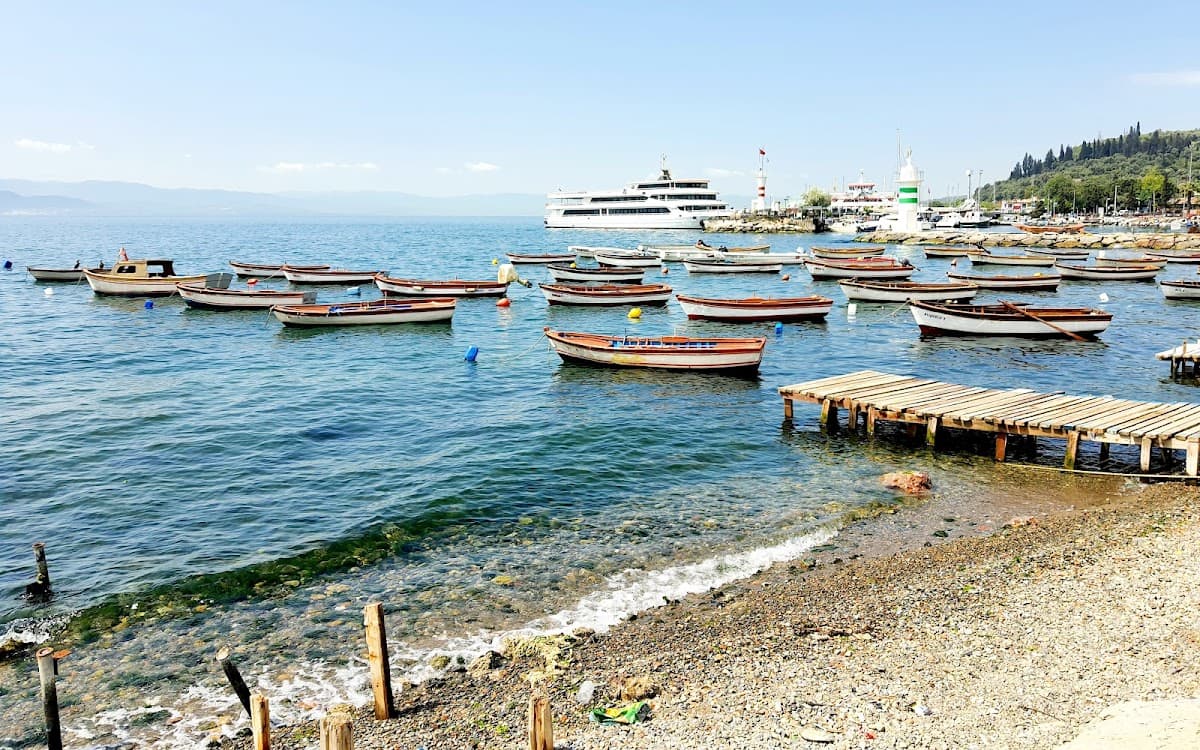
<point x="627" y="714"/>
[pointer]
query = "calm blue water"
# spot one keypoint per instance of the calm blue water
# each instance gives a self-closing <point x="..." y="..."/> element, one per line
<point x="146" y="446"/>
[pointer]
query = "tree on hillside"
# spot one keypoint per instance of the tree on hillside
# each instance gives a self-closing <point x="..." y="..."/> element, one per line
<point x="1058" y="192"/>
<point x="1151" y="185"/>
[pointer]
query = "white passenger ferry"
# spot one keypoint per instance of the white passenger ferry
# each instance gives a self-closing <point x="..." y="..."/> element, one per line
<point x="665" y="203"/>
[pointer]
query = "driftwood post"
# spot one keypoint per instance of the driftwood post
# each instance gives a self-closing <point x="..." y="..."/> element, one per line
<point x="47" y="671"/>
<point x="377" y="658"/>
<point x="260" y="721"/>
<point x="337" y="729"/>
<point x="235" y="678"/>
<point x="39" y="555"/>
<point x="541" y="724"/>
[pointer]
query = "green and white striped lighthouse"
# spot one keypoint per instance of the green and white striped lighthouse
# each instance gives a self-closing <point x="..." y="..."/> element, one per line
<point x="907" y="199"/>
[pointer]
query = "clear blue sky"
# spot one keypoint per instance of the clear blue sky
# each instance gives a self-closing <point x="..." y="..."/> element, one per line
<point x="456" y="98"/>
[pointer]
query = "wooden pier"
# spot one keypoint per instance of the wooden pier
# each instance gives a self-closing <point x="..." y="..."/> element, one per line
<point x="1185" y="359"/>
<point x="872" y="397"/>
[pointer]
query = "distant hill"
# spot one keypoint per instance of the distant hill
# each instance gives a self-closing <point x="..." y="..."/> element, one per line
<point x="1143" y="170"/>
<point x="110" y="198"/>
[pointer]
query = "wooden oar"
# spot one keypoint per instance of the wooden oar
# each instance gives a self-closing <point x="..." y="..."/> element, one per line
<point x="1040" y="319"/>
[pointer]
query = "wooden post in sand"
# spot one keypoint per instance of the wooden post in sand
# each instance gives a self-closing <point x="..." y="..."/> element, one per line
<point x="541" y="724"/>
<point x="235" y="678"/>
<point x="47" y="670"/>
<point x="377" y="658"/>
<point x="1072" y="451"/>
<point x="337" y="729"/>
<point x="260" y="721"/>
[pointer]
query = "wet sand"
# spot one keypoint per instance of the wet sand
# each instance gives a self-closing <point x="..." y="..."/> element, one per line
<point x="996" y="634"/>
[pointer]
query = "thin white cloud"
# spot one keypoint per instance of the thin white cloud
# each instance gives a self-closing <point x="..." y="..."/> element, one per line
<point x="84" y="145"/>
<point x="719" y="172"/>
<point x="444" y="170"/>
<point x="481" y="166"/>
<point x="1167" y="78"/>
<point x="32" y="145"/>
<point x="296" y="167"/>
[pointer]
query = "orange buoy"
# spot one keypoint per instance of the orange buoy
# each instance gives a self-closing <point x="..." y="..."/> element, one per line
<point x="251" y="282"/>
<point x="503" y="302"/>
<point x="665" y="270"/>
<point x="787" y="277"/>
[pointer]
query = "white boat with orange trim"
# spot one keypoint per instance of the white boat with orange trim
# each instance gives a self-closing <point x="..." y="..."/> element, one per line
<point x="864" y="268"/>
<point x="749" y="309"/>
<point x="373" y="312"/>
<point x="330" y="276"/>
<point x="439" y="288"/>
<point x="1131" y="272"/>
<point x="606" y="294"/>
<point x="606" y="274"/>
<point x="866" y="290"/>
<point x="531" y="259"/>
<point x="268" y="270"/>
<point x="660" y="352"/>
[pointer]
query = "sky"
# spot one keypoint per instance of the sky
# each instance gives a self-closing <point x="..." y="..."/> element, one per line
<point x="457" y="98"/>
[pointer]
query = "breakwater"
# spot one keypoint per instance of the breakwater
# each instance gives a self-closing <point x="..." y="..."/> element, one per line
<point x="1144" y="241"/>
<point x="751" y="224"/>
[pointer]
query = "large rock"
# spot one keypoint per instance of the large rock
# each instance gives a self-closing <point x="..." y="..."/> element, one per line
<point x="908" y="482"/>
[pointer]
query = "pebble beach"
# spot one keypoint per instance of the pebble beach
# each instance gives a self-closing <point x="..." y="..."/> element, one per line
<point x="1013" y="636"/>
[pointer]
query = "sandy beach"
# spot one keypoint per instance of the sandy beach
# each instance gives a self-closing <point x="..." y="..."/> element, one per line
<point x="1005" y="637"/>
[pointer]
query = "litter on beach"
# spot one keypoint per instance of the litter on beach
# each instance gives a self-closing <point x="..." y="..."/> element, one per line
<point x="631" y="713"/>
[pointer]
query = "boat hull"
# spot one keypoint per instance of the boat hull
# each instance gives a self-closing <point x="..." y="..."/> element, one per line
<point x="700" y="266"/>
<point x="900" y="292"/>
<point x="205" y="298"/>
<point x="865" y="270"/>
<point x="948" y="252"/>
<point x="376" y="312"/>
<point x="939" y="322"/>
<point x="1180" y="289"/>
<point x="599" y="296"/>
<point x="829" y="253"/>
<point x="431" y="288"/>
<point x="606" y="275"/>
<point x="104" y="283"/>
<point x="639" y="260"/>
<point x="1107" y="273"/>
<point x="58" y="274"/>
<point x="980" y="259"/>
<point x="518" y="259"/>
<point x="1192" y="258"/>
<point x="1044" y="282"/>
<point x="297" y="276"/>
<point x="729" y="355"/>
<point x="267" y="270"/>
<point x="755" y="309"/>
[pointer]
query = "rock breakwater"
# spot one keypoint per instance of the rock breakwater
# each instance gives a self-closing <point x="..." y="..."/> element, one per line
<point x="761" y="224"/>
<point x="1143" y="241"/>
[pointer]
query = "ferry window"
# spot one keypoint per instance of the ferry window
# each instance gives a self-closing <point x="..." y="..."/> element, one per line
<point x="581" y="212"/>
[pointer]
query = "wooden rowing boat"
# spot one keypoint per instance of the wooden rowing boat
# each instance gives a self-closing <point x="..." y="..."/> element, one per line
<point x="702" y="245"/>
<point x="41" y="273"/>
<point x="589" y="251"/>
<point x="607" y="294"/>
<point x="902" y="291"/>
<point x="1007" y="320"/>
<point x="439" y="288"/>
<point x="677" y="252"/>
<point x="865" y="268"/>
<point x="1063" y="229"/>
<point x="268" y="270"/>
<point x="542" y="258"/>
<point x="627" y="259"/>
<point x="984" y="258"/>
<point x="846" y="253"/>
<point x="139" y="278"/>
<point x="208" y="296"/>
<point x="606" y="274"/>
<point x="1180" y="289"/>
<point x="329" y="276"/>
<point x="660" y="352"/>
<point x="1060" y="252"/>
<point x="948" y="252"/>
<point x="1107" y="273"/>
<point x="1039" y="281"/>
<point x="725" y="266"/>
<point x="373" y="312"/>
<point x="1175" y="256"/>
<point x="1103" y="259"/>
<point x="750" y="309"/>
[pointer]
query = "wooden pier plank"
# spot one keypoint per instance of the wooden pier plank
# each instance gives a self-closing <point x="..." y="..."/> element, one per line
<point x="1152" y="427"/>
<point x="1047" y="418"/>
<point x="906" y="399"/>
<point x="962" y="399"/>
<point x="859" y="393"/>
<point x="1018" y="413"/>
<point x="973" y="408"/>
<point x="829" y="385"/>
<point x="1056" y="403"/>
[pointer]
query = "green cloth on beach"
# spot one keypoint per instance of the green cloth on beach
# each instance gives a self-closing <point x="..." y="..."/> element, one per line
<point x="630" y="714"/>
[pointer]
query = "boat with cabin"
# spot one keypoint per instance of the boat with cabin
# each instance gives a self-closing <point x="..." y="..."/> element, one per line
<point x="140" y="278"/>
<point x="659" y="352"/>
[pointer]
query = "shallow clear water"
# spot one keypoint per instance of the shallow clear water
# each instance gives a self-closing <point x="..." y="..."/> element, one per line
<point x="147" y="446"/>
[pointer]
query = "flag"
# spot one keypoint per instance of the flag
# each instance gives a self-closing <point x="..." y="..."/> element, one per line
<point x="761" y="152"/>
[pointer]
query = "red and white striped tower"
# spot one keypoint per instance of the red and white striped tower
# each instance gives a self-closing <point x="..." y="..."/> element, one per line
<point x="759" y="204"/>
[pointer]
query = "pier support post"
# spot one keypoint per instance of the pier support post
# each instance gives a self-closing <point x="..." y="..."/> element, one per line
<point x="1104" y="451"/>
<point x="541" y="724"/>
<point x="337" y="729"/>
<point x="931" y="432"/>
<point x="1001" y="445"/>
<point x="43" y="570"/>
<point x="47" y="670"/>
<point x="235" y="678"/>
<point x="377" y="658"/>
<point x="1072" y="450"/>
<point x="1193" y="458"/>
<point x="1144" y="458"/>
<point x="852" y="415"/>
<point x="829" y="415"/>
<point x="260" y="722"/>
<point x="787" y="408"/>
<point x="872" y="415"/>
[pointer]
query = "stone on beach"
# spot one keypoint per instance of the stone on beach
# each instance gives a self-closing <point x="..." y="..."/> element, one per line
<point x="908" y="482"/>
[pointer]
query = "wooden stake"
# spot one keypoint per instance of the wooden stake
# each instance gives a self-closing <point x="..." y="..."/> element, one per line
<point x="852" y="417"/>
<point x="235" y="678"/>
<point x="1104" y="451"/>
<point x="260" y="721"/>
<point x="872" y="415"/>
<point x="1193" y="458"/>
<point x="541" y="724"/>
<point x="46" y="671"/>
<point x="1144" y="463"/>
<point x="1072" y="450"/>
<point x="1001" y="445"/>
<point x="931" y="432"/>
<point x="377" y="657"/>
<point x="787" y="408"/>
<point x="39" y="555"/>
<point x="828" y="415"/>
<point x="337" y="729"/>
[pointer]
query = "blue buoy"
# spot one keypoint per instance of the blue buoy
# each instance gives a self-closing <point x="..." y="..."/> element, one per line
<point x="472" y="353"/>
<point x="8" y="265"/>
<point x="779" y="329"/>
<point x="149" y="304"/>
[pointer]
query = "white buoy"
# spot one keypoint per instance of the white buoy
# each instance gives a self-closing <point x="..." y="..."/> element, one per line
<point x="1103" y="297"/>
<point x="851" y="311"/>
<point x="48" y="292"/>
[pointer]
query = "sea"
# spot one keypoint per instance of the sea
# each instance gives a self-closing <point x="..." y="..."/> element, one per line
<point x="205" y="479"/>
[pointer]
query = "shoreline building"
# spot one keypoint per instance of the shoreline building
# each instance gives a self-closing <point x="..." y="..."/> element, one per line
<point x="862" y="198"/>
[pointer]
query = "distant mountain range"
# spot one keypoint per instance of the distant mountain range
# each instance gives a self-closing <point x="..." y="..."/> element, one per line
<point x="108" y="198"/>
<point x="105" y="198"/>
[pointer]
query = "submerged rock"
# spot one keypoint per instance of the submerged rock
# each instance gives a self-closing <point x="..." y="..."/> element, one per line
<point x="908" y="482"/>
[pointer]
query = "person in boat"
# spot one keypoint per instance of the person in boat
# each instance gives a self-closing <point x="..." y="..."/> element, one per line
<point x="122" y="255"/>
<point x="703" y="245"/>
<point x="76" y="264"/>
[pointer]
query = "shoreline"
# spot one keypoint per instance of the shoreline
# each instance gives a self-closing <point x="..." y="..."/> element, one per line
<point x="980" y="627"/>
